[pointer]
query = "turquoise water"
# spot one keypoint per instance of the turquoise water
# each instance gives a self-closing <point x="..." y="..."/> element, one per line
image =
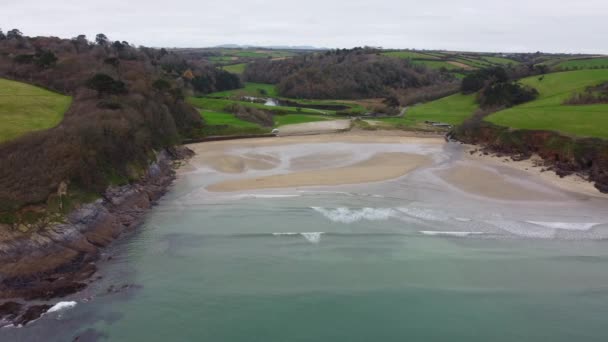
<point x="218" y="274"/>
<point x="356" y="263"/>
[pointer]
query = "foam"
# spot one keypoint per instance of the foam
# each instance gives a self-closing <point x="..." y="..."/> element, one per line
<point x="424" y="214"/>
<point x="346" y="215"/>
<point x="62" y="306"/>
<point x="565" y="225"/>
<point x="455" y="234"/>
<point x="525" y="229"/>
<point x="313" y="237"/>
<point x="262" y="196"/>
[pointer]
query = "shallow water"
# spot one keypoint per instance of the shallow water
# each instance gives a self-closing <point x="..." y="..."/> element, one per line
<point x="409" y="259"/>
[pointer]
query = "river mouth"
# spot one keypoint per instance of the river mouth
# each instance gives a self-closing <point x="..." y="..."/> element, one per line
<point x="413" y="256"/>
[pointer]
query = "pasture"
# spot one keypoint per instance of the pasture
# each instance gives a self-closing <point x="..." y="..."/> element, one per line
<point x="548" y="112"/>
<point x="25" y="108"/>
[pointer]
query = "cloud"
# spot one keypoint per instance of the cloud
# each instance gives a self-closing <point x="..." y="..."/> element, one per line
<point x="479" y="25"/>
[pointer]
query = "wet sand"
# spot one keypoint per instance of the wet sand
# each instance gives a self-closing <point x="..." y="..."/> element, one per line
<point x="380" y="167"/>
<point x="271" y="163"/>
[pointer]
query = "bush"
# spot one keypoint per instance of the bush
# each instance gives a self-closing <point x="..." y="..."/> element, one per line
<point x="505" y="95"/>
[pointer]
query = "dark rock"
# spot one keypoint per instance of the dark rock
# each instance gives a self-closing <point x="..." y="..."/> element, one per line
<point x="10" y="310"/>
<point x="31" y="314"/>
<point x="55" y="261"/>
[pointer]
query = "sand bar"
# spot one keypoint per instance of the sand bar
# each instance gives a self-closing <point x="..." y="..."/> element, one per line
<point x="380" y="167"/>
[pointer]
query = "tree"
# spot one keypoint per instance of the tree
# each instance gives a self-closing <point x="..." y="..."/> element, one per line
<point x="112" y="61"/>
<point x="46" y="59"/>
<point x="2" y="35"/>
<point x="391" y="101"/>
<point x="101" y="39"/>
<point x="118" y="46"/>
<point x="161" y="85"/>
<point x="14" y="34"/>
<point x="105" y="84"/>
<point x="80" y="42"/>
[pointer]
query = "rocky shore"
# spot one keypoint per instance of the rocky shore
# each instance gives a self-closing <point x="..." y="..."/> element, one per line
<point x="586" y="157"/>
<point x="60" y="259"/>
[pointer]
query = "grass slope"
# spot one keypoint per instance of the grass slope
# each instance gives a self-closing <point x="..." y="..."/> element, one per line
<point x="251" y="89"/>
<point x="500" y="60"/>
<point x="236" y="68"/>
<point x="584" y="63"/>
<point x="25" y="108"/>
<point x="452" y="109"/>
<point x="548" y="112"/>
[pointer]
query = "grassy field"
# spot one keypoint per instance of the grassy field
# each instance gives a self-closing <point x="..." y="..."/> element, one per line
<point x="250" y="89"/>
<point x="25" y="108"/>
<point x="499" y="60"/>
<point x="236" y="68"/>
<point x="548" y="112"/>
<point x="269" y="90"/>
<point x="409" y="55"/>
<point x="584" y="63"/>
<point x="453" y="109"/>
<point x="219" y="105"/>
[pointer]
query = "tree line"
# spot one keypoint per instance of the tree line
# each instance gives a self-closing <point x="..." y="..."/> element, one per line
<point x="343" y="74"/>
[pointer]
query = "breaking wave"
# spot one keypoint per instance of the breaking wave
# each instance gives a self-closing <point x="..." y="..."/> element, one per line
<point x="312" y="237"/>
<point x="346" y="215"/>
<point x="455" y="234"/>
<point x="62" y="306"/>
<point x="566" y="225"/>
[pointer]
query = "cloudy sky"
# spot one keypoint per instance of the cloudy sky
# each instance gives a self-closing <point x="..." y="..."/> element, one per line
<point x="474" y="25"/>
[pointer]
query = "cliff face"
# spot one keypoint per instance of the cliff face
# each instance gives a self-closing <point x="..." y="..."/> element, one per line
<point x="566" y="155"/>
<point x="58" y="259"/>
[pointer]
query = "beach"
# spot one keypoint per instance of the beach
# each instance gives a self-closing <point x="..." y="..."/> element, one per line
<point x="407" y="233"/>
<point x="365" y="157"/>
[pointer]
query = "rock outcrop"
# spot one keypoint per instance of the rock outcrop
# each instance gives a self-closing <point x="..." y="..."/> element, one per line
<point x="563" y="154"/>
<point x="59" y="259"/>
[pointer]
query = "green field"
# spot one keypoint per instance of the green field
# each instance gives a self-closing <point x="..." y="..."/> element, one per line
<point x="499" y="60"/>
<point x="270" y="90"/>
<point x="250" y="89"/>
<point x="548" y="112"/>
<point x="236" y="68"/>
<point x="25" y="108"/>
<point x="453" y="110"/>
<point x="409" y="55"/>
<point x="584" y="63"/>
<point x="219" y="105"/>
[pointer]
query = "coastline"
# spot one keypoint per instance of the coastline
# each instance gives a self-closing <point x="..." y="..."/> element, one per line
<point x="535" y="166"/>
<point x="60" y="259"/>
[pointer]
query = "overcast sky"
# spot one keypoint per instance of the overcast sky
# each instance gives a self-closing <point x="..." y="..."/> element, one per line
<point x="474" y="25"/>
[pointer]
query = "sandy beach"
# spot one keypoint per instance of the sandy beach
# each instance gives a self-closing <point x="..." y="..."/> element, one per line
<point x="373" y="156"/>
